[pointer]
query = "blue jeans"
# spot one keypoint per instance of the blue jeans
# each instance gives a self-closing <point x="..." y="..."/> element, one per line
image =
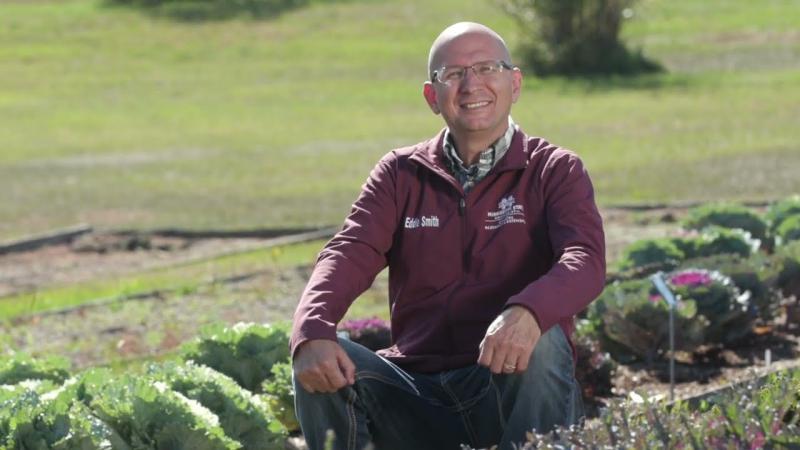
<point x="396" y="409"/>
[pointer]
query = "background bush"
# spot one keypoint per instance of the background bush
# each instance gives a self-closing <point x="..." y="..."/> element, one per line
<point x="576" y="37"/>
<point x="190" y="10"/>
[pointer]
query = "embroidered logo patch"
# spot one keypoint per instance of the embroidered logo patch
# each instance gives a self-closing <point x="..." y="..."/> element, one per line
<point x="508" y="211"/>
<point x="422" y="222"/>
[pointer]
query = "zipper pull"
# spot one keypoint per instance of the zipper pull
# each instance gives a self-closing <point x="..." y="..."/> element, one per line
<point x="462" y="206"/>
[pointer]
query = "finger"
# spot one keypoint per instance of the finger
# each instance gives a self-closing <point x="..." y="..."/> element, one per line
<point x="523" y="360"/>
<point x="487" y="351"/>
<point x="310" y="383"/>
<point x="334" y="380"/>
<point x="346" y="366"/>
<point x="498" y="359"/>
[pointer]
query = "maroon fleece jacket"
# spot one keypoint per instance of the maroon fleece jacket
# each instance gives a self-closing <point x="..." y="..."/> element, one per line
<point x="528" y="234"/>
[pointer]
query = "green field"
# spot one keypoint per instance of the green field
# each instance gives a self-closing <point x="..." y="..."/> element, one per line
<point x="112" y="117"/>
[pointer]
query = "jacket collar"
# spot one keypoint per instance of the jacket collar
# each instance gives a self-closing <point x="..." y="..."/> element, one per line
<point x="431" y="154"/>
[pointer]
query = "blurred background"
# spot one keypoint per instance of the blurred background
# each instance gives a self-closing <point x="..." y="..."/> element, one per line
<point x="270" y="113"/>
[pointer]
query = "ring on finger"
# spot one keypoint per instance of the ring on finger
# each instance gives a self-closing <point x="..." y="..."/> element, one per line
<point x="508" y="368"/>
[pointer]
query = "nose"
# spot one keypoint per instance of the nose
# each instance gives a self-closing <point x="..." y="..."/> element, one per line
<point x="471" y="80"/>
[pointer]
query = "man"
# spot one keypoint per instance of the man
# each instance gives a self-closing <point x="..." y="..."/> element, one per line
<point x="493" y="243"/>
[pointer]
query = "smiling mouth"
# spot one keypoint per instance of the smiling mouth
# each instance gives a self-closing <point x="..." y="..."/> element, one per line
<point x="475" y="105"/>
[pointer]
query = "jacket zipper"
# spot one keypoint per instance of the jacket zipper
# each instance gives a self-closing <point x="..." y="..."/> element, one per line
<point x="462" y="211"/>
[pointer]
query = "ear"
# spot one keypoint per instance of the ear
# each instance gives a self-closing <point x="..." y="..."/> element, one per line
<point x="429" y="92"/>
<point x="516" y="84"/>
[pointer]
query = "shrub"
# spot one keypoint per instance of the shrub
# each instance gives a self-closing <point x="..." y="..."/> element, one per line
<point x="245" y="352"/>
<point x="780" y="210"/>
<point x="576" y="37"/>
<point x="196" y="10"/>
<point x="789" y="229"/>
<point x="725" y="215"/>
<point x="242" y="415"/>
<point x="279" y="393"/>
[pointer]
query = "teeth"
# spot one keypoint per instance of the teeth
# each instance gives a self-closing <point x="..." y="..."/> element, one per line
<point x="475" y="105"/>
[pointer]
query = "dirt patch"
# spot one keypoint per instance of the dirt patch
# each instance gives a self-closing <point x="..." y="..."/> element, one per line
<point x="103" y="255"/>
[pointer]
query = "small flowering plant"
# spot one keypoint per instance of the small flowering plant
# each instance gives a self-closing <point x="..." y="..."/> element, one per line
<point x="372" y="332"/>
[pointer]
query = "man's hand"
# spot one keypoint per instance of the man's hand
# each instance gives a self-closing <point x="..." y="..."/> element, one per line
<point x="321" y="365"/>
<point x="509" y="341"/>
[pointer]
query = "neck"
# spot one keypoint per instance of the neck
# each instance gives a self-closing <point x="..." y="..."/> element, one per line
<point x="470" y="146"/>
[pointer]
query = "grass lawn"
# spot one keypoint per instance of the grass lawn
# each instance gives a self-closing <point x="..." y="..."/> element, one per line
<point x="112" y="117"/>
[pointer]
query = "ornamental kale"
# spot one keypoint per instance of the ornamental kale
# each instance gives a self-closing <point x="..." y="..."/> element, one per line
<point x="245" y="352"/>
<point x="243" y="416"/>
<point x="279" y="393"/>
<point x="372" y="332"/>
<point x="19" y="366"/>
<point x="729" y="313"/>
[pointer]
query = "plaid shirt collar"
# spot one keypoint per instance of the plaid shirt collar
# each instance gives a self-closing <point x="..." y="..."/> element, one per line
<point x="468" y="177"/>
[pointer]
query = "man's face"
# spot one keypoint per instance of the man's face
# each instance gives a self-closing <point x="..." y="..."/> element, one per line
<point x="475" y="106"/>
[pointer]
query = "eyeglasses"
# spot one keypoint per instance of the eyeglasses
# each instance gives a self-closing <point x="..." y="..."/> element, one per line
<point x="450" y="75"/>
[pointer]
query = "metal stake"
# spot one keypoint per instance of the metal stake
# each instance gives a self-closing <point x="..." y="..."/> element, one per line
<point x="663" y="289"/>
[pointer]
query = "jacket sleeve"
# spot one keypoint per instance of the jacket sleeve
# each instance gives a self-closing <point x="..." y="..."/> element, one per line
<point x="348" y="264"/>
<point x="576" y="235"/>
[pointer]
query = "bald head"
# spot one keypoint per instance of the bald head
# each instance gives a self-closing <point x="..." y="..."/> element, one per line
<point x="438" y="53"/>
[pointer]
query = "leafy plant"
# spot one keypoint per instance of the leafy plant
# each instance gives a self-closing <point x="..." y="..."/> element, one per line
<point x="149" y="414"/>
<point x="755" y="274"/>
<point x="594" y="368"/>
<point x="372" y="332"/>
<point x="786" y="269"/>
<point x="717" y="240"/>
<point x="279" y="393"/>
<point x="631" y="321"/>
<point x="658" y="254"/>
<point x="19" y="366"/>
<point x="754" y="415"/>
<point x="729" y="312"/>
<point x="781" y="210"/>
<point x="42" y="417"/>
<point x="789" y="229"/>
<point x="242" y="415"/>
<point x="726" y="215"/>
<point x="245" y="352"/>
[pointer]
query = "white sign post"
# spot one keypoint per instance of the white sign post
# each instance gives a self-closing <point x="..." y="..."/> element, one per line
<point x="663" y="289"/>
